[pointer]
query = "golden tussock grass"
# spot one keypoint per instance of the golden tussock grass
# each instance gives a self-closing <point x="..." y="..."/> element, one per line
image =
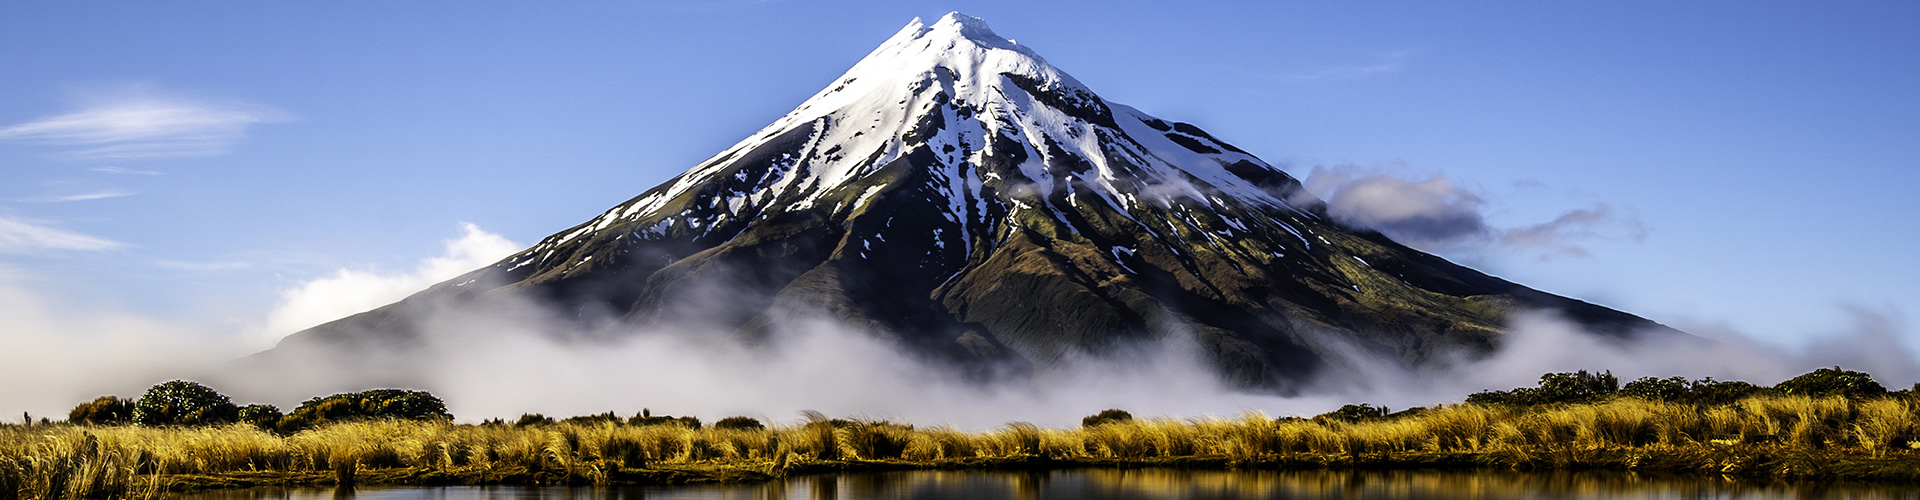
<point x="1783" y="435"/>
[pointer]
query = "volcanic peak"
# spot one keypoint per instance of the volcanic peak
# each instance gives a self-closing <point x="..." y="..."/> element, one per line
<point x="957" y="193"/>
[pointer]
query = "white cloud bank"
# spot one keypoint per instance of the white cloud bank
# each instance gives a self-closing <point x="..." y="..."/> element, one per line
<point x="57" y="355"/>
<point x="351" y="291"/>
<point x="504" y="361"/>
<point x="138" y="123"/>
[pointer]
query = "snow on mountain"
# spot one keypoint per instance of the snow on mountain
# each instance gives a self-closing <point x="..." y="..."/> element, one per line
<point x="956" y="192"/>
<point x="975" y="86"/>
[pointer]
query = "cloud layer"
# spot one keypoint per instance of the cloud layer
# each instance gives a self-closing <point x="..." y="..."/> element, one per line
<point x="1438" y="214"/>
<point x="56" y="355"/>
<point x="503" y="361"/>
<point x="506" y="360"/>
<point x="140" y="124"/>
<point x="351" y="291"/>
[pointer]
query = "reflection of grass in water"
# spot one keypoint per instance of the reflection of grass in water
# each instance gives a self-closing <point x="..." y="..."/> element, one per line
<point x="1774" y="435"/>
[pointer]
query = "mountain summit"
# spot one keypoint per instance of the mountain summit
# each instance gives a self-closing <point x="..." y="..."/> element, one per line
<point x="956" y="193"/>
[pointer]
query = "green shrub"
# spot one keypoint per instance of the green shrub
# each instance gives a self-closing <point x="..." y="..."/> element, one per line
<point x="1354" y="413"/>
<point x="1575" y="387"/>
<point x="374" y="404"/>
<point x="527" y="419"/>
<point x="646" y="418"/>
<point x="1832" y="382"/>
<point x="1708" y="391"/>
<point x="602" y="418"/>
<point x="1492" y="397"/>
<point x="180" y="402"/>
<point x="105" y="410"/>
<point x="266" y="417"/>
<point x="1565" y="387"/>
<point x="742" y="423"/>
<point x="1657" y="389"/>
<point x="1108" y="416"/>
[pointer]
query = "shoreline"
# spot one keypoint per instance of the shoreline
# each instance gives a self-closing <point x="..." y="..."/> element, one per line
<point x="1766" y="436"/>
<point x="1730" y="463"/>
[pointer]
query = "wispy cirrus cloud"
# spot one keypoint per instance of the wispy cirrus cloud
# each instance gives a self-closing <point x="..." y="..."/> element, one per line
<point x="97" y="195"/>
<point x="204" y="265"/>
<point x="28" y="236"/>
<point x="122" y="171"/>
<point x="138" y="123"/>
<point x="1390" y="62"/>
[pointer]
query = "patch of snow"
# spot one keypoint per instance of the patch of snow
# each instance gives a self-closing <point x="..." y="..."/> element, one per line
<point x="862" y="201"/>
<point x="575" y="234"/>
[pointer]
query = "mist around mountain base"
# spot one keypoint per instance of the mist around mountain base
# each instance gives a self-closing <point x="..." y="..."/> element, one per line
<point x="513" y="359"/>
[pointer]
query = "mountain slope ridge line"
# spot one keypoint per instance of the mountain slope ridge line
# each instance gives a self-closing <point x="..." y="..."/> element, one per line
<point x="958" y="194"/>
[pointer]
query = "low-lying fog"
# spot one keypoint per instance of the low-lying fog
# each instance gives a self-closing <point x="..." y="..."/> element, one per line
<point x="502" y="364"/>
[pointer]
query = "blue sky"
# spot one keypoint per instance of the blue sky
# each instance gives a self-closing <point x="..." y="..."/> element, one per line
<point x="1753" y="162"/>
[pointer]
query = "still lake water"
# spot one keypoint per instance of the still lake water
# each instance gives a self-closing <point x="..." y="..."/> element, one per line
<point x="1149" y="484"/>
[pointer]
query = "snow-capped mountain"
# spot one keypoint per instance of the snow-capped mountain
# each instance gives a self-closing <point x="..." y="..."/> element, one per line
<point x="956" y="192"/>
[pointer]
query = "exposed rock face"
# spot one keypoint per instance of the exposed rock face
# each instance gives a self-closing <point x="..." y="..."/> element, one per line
<point x="957" y="193"/>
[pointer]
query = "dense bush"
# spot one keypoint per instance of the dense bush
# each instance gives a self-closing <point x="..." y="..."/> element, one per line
<point x="181" y="402"/>
<point x="1575" y="387"/>
<point x="1566" y="387"/>
<point x="266" y="417"/>
<point x="1354" y="413"/>
<point x="374" y="404"/>
<point x="646" y="418"/>
<point x="1109" y="416"/>
<point x="603" y="418"/>
<point x="1707" y="391"/>
<point x="531" y="419"/>
<point x="743" y="423"/>
<point x="105" y="410"/>
<point x="1578" y="387"/>
<point x="1657" y="389"/>
<point x="1832" y="382"/>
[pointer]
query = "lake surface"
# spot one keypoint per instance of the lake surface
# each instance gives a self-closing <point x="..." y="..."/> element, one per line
<point x="1149" y="484"/>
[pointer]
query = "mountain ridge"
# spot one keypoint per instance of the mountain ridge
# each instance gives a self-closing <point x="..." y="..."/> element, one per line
<point x="956" y="193"/>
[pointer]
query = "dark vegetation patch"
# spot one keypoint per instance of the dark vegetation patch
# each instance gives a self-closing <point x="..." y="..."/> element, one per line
<point x="1584" y="387"/>
<point x="1109" y="416"/>
<point x="1074" y="102"/>
<point x="1189" y="129"/>
<point x="1192" y="144"/>
<point x="181" y="402"/>
<point x="367" y="405"/>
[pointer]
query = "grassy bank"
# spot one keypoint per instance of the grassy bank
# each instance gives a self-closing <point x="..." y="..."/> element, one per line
<point x="1778" y="436"/>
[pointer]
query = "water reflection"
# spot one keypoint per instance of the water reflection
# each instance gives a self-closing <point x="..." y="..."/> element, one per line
<point x="1151" y="484"/>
